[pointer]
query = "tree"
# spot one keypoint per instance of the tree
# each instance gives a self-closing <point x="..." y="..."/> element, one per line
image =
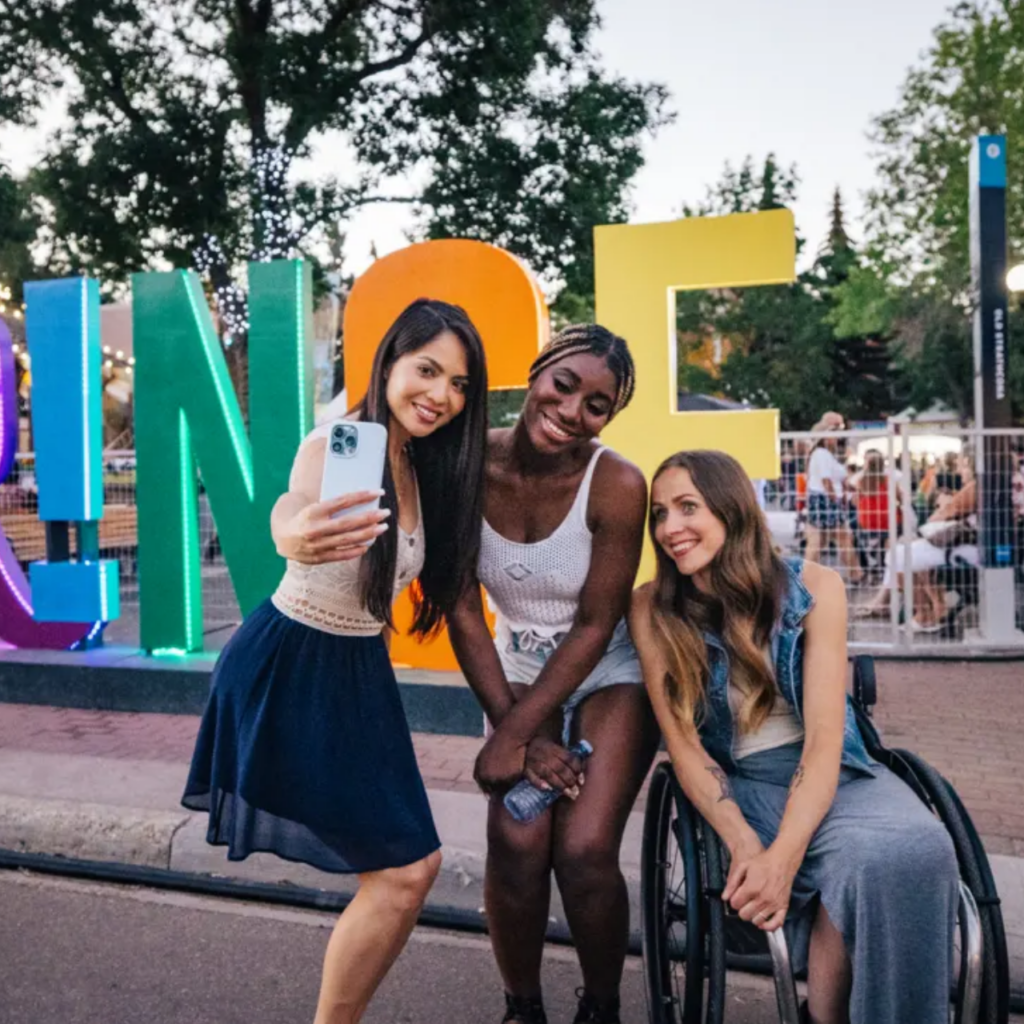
<point x="776" y="342"/>
<point x="862" y="371"/>
<point x="189" y="122"/>
<point x="17" y="230"/>
<point x="970" y="82"/>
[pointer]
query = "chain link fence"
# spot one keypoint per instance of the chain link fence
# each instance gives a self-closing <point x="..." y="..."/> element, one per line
<point x="945" y="504"/>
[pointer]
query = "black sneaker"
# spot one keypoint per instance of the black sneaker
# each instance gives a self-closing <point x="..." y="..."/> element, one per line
<point x="524" y="1010"/>
<point x="594" y="1011"/>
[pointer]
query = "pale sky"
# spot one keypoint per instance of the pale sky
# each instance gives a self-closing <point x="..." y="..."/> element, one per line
<point x="802" y="78"/>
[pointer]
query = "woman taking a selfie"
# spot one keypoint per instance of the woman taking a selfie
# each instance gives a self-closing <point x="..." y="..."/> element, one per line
<point x="561" y="544"/>
<point x="304" y="750"/>
<point x="744" y="656"/>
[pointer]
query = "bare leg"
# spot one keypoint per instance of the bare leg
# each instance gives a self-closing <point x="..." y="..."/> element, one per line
<point x="829" y="975"/>
<point x="848" y="553"/>
<point x="929" y="602"/>
<point x="517" y="890"/>
<point x="812" y="551"/>
<point x="369" y="936"/>
<point x="619" y="724"/>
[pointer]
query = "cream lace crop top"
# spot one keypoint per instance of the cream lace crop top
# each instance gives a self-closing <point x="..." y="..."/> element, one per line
<point x="327" y="597"/>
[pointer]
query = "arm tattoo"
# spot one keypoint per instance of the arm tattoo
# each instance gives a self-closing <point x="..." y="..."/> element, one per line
<point x="798" y="777"/>
<point x="723" y="781"/>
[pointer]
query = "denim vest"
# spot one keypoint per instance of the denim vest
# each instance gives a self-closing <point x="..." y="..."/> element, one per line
<point x="716" y="729"/>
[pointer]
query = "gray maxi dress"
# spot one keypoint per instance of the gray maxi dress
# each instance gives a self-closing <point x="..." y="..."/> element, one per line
<point x="885" y="870"/>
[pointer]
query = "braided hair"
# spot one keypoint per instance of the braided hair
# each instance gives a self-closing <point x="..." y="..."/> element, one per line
<point x="594" y="340"/>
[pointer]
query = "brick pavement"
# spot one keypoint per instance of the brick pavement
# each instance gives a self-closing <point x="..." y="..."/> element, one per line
<point x="964" y="718"/>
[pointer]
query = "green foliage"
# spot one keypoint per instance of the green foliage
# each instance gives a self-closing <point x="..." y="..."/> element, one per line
<point x="17" y="230"/>
<point x="499" y="112"/>
<point x="865" y="303"/>
<point x="784" y="350"/>
<point x="747" y="190"/>
<point x="503" y="407"/>
<point x="970" y="82"/>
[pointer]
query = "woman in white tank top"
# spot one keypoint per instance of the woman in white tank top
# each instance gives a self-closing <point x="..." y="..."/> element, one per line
<point x="560" y="549"/>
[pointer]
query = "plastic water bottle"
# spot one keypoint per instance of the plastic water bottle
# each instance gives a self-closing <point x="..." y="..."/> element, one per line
<point x="526" y="802"/>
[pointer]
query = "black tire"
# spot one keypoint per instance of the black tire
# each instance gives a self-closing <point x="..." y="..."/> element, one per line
<point x="976" y="874"/>
<point x="714" y="881"/>
<point x="865" y="683"/>
<point x="682" y="929"/>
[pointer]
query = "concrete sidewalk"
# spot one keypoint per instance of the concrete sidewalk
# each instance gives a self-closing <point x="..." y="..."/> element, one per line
<point x="105" y="786"/>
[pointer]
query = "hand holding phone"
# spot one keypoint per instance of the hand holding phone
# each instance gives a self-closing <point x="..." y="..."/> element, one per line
<point x="348" y="518"/>
<point x="354" y="462"/>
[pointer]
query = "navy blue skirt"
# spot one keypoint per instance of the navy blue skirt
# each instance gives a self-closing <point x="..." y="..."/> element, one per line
<point x="304" y="751"/>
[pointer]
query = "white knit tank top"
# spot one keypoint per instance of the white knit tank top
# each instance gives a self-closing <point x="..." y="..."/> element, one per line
<point x="535" y="588"/>
<point x="328" y="596"/>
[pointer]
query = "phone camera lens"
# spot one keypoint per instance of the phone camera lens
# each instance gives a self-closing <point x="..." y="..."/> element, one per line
<point x="336" y="446"/>
<point x="350" y="441"/>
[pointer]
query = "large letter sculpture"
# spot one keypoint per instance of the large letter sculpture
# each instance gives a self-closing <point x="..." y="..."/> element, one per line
<point x="62" y="323"/>
<point x="188" y="419"/>
<point x="18" y="624"/>
<point x="504" y="301"/>
<point x="639" y="268"/>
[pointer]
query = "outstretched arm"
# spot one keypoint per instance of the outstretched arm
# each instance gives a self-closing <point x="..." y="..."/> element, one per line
<point x="302" y="526"/>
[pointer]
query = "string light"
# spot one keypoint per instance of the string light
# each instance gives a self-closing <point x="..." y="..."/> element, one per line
<point x="275" y="238"/>
<point x="5" y="299"/>
<point x="271" y="220"/>
<point x="231" y="301"/>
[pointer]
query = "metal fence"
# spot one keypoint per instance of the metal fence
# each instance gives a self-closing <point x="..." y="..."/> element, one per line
<point x="118" y="539"/>
<point x="946" y="502"/>
<point x="867" y="502"/>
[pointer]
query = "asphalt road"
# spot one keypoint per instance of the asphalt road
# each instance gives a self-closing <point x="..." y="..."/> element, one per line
<point x="79" y="953"/>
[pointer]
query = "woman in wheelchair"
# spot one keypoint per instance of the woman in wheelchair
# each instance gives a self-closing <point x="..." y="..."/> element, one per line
<point x="744" y="656"/>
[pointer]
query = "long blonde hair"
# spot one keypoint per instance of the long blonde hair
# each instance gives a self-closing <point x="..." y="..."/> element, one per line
<point x="748" y="583"/>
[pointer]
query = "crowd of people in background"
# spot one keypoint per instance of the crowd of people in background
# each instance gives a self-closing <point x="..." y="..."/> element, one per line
<point x="850" y="505"/>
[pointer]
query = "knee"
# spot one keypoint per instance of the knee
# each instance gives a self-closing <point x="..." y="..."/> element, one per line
<point x="917" y="850"/>
<point x="406" y="888"/>
<point x="587" y="859"/>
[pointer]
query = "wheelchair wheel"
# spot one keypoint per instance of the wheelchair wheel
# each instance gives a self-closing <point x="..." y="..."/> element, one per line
<point x="683" y="924"/>
<point x="976" y="874"/>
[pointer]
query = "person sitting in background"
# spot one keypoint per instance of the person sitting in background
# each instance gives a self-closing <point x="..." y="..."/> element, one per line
<point x="948" y="535"/>
<point x="947" y="479"/>
<point x="871" y="499"/>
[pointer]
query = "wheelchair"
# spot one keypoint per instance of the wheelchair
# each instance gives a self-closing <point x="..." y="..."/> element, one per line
<point x="689" y="940"/>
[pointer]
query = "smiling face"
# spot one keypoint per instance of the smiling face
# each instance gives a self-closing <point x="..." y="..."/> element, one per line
<point x="426" y="388"/>
<point x="570" y="402"/>
<point x="685" y="528"/>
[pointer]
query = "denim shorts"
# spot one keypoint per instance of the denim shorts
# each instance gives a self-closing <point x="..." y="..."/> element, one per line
<point x="524" y="654"/>
<point x="826" y="513"/>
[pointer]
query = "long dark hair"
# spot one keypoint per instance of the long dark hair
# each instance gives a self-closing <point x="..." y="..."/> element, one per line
<point x="449" y="466"/>
<point x="748" y="586"/>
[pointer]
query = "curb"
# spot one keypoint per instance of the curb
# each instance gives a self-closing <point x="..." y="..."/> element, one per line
<point x="167" y="849"/>
<point x="66" y="828"/>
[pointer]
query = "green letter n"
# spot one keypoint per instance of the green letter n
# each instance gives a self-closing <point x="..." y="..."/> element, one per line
<point x="186" y="414"/>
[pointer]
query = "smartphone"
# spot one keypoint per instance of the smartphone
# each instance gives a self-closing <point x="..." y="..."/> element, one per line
<point x="354" y="461"/>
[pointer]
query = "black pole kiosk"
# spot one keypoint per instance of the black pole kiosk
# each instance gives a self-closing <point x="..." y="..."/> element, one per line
<point x="993" y="463"/>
